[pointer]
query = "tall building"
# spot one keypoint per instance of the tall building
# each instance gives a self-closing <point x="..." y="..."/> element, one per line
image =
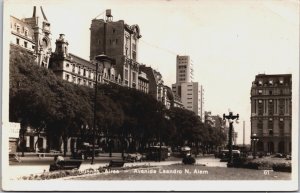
<point x="271" y="112"/>
<point x="184" y="69"/>
<point x="191" y="93"/>
<point x="119" y="41"/>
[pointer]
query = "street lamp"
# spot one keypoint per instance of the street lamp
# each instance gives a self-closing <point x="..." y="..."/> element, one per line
<point x="230" y="118"/>
<point x="99" y="58"/>
<point x="254" y="139"/>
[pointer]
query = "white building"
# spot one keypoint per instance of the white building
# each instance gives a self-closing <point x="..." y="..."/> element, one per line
<point x="184" y="69"/>
<point x="191" y="93"/>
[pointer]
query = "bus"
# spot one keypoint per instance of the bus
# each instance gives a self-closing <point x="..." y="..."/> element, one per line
<point x="153" y="153"/>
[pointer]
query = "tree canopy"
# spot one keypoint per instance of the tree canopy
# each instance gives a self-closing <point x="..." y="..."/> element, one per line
<point x="41" y="100"/>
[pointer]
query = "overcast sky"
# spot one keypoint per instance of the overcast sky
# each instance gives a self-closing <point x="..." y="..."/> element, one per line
<point x="229" y="41"/>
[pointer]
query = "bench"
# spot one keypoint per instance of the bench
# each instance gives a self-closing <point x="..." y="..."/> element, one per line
<point x="65" y="165"/>
<point x="116" y="163"/>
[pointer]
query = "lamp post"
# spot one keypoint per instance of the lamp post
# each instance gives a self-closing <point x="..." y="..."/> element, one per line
<point x="100" y="58"/>
<point x="230" y="119"/>
<point x="254" y="139"/>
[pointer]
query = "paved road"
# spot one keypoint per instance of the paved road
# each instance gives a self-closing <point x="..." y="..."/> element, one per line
<point x="188" y="172"/>
<point x="35" y="165"/>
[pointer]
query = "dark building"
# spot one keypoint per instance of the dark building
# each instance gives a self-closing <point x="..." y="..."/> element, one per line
<point x="271" y="112"/>
<point x="119" y="41"/>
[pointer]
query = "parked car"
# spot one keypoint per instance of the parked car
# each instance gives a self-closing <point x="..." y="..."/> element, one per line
<point x="225" y="155"/>
<point x="86" y="152"/>
<point x="279" y="155"/>
<point x="134" y="157"/>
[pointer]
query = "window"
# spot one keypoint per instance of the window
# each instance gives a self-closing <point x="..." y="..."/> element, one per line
<point x="25" y="44"/>
<point x="259" y="91"/>
<point x="271" y="82"/>
<point x="280" y="81"/>
<point x="270" y="92"/>
<point x="113" y="30"/>
<point x="134" y="46"/>
<point x="33" y="47"/>
<point x="67" y="65"/>
<point x="116" y="41"/>
<point x="134" y="55"/>
<point x="18" y="28"/>
<point x="260" y="83"/>
<point x="67" y="77"/>
<point x="133" y="76"/>
<point x="18" y="41"/>
<point x="84" y="72"/>
<point x="26" y="33"/>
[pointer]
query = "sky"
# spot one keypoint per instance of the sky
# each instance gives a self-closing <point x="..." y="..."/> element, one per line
<point x="229" y="41"/>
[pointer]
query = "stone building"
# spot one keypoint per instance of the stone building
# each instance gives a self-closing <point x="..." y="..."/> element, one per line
<point x="158" y="90"/>
<point x="119" y="41"/>
<point x="271" y="112"/>
<point x="143" y="82"/>
<point x="80" y="71"/>
<point x="34" y="35"/>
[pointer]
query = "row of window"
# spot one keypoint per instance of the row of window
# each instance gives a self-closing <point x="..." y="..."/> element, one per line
<point x="280" y="106"/>
<point x="182" y="67"/>
<point x="26" y="44"/>
<point x="20" y="29"/>
<point x="78" y="80"/>
<point x="271" y="92"/>
<point x="270" y="82"/>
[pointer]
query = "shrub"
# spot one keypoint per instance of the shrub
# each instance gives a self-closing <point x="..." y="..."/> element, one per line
<point x="188" y="160"/>
<point x="282" y="167"/>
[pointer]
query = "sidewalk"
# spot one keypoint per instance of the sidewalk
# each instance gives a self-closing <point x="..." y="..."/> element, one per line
<point x="35" y="165"/>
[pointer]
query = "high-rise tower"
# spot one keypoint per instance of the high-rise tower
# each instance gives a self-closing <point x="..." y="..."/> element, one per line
<point x="184" y="69"/>
<point x="191" y="93"/>
<point x="119" y="41"/>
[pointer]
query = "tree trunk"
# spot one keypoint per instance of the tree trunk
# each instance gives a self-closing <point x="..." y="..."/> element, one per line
<point x="23" y="142"/>
<point x="65" y="141"/>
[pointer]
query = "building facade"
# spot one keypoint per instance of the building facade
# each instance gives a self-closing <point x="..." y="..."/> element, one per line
<point x="191" y="93"/>
<point x="271" y="112"/>
<point x="34" y="35"/>
<point x="143" y="82"/>
<point x="75" y="69"/>
<point x="119" y="41"/>
<point x="184" y="69"/>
